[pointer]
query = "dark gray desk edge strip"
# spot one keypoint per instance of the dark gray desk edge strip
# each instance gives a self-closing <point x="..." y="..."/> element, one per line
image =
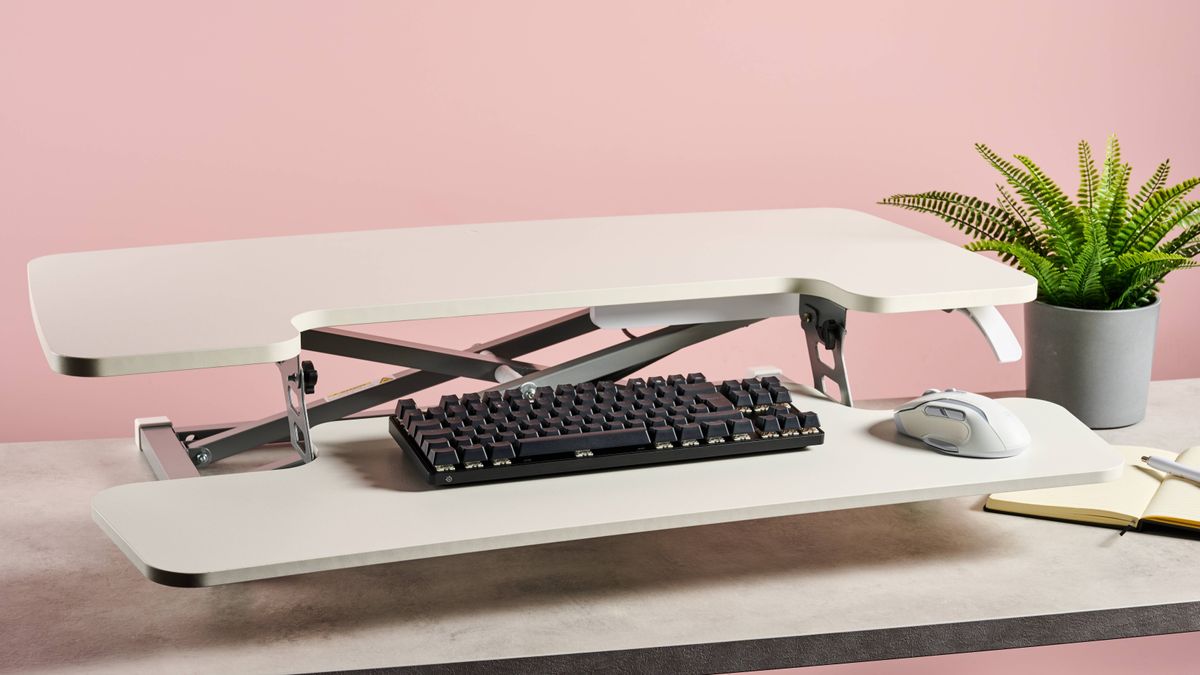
<point x="848" y="647"/>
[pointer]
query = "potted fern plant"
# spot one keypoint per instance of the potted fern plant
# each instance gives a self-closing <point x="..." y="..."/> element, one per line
<point x="1099" y="262"/>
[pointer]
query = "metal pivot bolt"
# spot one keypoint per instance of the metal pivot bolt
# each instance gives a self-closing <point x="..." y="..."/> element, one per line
<point x="200" y="456"/>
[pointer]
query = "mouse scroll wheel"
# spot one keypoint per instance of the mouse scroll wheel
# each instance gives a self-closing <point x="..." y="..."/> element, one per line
<point x="931" y="391"/>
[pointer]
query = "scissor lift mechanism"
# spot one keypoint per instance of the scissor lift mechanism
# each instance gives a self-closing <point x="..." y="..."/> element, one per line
<point x="182" y="452"/>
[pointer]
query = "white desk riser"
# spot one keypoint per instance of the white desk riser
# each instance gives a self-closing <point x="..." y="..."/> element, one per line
<point x="136" y="310"/>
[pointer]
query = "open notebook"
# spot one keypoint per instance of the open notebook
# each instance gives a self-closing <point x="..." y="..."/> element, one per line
<point x="1140" y="495"/>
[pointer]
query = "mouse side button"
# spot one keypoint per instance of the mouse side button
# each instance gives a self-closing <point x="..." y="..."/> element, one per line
<point x="942" y="446"/>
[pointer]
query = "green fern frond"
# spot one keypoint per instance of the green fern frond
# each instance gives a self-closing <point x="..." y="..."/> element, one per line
<point x="1189" y="237"/>
<point x="1067" y="229"/>
<point x="1141" y="222"/>
<point x="1082" y="280"/>
<point x="969" y="214"/>
<point x="1048" y="276"/>
<point x="1142" y="280"/>
<point x="1034" y="235"/>
<point x="1111" y="200"/>
<point x="1124" y="268"/>
<point x="1023" y="183"/>
<point x="1112" y="157"/>
<point x="1089" y="178"/>
<point x="1191" y="229"/>
<point x="1181" y="214"/>
<point x="1154" y="184"/>
<point x="1064" y="212"/>
<point x="1113" y="174"/>
<point x="1131" y="262"/>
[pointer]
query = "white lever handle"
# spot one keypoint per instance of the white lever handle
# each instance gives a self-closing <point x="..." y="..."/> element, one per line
<point x="997" y="331"/>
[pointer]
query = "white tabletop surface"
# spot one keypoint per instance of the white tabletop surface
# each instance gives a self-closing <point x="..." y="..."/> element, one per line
<point x="362" y="501"/>
<point x="73" y="603"/>
<point x="237" y="302"/>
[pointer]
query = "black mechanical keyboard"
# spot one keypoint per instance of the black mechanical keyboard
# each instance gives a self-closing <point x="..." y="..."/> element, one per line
<point x="500" y="435"/>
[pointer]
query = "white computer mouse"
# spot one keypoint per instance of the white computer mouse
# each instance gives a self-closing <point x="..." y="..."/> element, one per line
<point x="961" y="423"/>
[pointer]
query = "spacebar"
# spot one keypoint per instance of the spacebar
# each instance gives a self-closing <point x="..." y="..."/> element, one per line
<point x="597" y="440"/>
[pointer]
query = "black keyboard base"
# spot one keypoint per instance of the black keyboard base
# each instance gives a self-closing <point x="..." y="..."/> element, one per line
<point x="603" y="460"/>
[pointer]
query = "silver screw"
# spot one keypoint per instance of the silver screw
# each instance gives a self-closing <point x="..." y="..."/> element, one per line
<point x="806" y="317"/>
<point x="527" y="390"/>
<point x="201" y="457"/>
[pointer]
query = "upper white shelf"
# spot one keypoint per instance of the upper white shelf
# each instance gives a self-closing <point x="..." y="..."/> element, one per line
<point x="227" y="303"/>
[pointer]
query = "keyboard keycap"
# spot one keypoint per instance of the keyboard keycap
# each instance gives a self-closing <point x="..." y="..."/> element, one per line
<point x="768" y="424"/>
<point x="441" y="454"/>
<point x="473" y="453"/>
<point x="715" y="429"/>
<point x="695" y="388"/>
<point x="603" y="440"/>
<point x="715" y="416"/>
<point x="741" y="426"/>
<point x="404" y="405"/>
<point x="717" y="402"/>
<point x="690" y="432"/>
<point x="424" y="437"/>
<point x="500" y="450"/>
<point x="663" y="435"/>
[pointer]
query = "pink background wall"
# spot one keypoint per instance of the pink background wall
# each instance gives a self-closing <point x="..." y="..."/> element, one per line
<point x="136" y="123"/>
<point x="128" y="124"/>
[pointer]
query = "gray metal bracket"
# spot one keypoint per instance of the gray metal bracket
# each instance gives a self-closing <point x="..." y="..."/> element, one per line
<point x="824" y="324"/>
<point x="298" y="379"/>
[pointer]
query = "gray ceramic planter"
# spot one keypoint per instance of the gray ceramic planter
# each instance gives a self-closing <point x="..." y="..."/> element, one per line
<point x="1095" y="363"/>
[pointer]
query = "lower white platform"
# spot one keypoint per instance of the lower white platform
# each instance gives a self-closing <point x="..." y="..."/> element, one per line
<point x="360" y="503"/>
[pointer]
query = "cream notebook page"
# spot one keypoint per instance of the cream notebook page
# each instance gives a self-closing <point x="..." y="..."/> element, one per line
<point x="1177" y="502"/>
<point x="1119" y="502"/>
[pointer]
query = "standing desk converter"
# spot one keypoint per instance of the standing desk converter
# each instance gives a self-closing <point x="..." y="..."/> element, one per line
<point x="141" y="310"/>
